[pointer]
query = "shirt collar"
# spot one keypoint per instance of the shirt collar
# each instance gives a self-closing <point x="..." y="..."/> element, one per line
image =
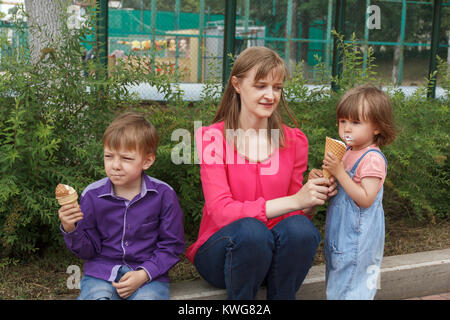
<point x="146" y="186"/>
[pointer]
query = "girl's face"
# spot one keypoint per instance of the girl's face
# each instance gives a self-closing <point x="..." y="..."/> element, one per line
<point x="260" y="98"/>
<point x="358" y="134"/>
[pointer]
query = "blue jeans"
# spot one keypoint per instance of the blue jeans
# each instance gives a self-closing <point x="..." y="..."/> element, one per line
<point x="244" y="254"/>
<point x="97" y="289"/>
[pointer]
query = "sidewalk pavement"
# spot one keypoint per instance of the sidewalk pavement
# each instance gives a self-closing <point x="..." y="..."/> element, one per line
<point x="441" y="296"/>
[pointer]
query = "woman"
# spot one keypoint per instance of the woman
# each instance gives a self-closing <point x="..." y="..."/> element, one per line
<point x="255" y="226"/>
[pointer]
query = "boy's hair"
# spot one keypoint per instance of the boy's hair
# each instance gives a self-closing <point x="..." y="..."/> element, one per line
<point x="369" y="103"/>
<point x="131" y="131"/>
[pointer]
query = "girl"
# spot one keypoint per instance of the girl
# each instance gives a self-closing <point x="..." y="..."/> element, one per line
<point x="253" y="228"/>
<point x="354" y="233"/>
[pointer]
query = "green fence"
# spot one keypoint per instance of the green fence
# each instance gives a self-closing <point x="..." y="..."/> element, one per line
<point x="14" y="38"/>
<point x="298" y="30"/>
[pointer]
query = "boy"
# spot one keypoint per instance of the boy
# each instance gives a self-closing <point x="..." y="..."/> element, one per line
<point x="128" y="226"/>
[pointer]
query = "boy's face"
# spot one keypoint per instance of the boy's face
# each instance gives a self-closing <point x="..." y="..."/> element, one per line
<point x="124" y="167"/>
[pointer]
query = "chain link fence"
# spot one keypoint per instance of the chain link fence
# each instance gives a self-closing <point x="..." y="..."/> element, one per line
<point x="185" y="37"/>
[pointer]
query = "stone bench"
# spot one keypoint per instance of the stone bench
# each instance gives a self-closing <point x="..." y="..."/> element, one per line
<point x="402" y="277"/>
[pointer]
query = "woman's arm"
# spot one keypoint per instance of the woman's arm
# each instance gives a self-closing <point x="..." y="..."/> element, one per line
<point x="313" y="193"/>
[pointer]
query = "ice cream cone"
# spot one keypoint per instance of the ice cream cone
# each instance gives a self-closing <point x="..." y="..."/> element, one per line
<point x="337" y="147"/>
<point x="65" y="194"/>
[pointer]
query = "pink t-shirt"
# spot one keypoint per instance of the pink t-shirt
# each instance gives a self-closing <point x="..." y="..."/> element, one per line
<point x="372" y="165"/>
<point x="236" y="188"/>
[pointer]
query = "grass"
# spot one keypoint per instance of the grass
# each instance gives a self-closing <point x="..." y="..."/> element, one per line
<point x="44" y="276"/>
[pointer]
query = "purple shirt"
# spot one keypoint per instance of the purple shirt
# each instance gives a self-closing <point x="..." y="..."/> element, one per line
<point x="144" y="233"/>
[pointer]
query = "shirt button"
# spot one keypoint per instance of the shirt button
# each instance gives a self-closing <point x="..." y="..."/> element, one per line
<point x="126" y="243"/>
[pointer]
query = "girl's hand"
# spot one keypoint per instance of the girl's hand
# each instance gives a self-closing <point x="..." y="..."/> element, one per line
<point x="69" y="215"/>
<point x="130" y="282"/>
<point x="333" y="165"/>
<point x="332" y="188"/>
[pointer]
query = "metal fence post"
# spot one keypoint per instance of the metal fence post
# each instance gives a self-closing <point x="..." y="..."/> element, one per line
<point x="437" y="9"/>
<point x="177" y="28"/>
<point x="329" y="41"/>
<point x="366" y="38"/>
<point x="200" y="41"/>
<point x="102" y="33"/>
<point x="229" y="39"/>
<point x="402" y="44"/>
<point x="336" y="69"/>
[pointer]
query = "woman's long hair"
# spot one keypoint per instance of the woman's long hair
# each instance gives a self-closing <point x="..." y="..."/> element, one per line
<point x="266" y="61"/>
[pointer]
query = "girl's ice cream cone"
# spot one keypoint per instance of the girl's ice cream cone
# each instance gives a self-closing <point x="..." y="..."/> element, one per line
<point x="337" y="148"/>
<point x="65" y="194"/>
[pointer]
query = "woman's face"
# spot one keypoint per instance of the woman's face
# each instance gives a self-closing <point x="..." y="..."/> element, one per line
<point x="260" y="98"/>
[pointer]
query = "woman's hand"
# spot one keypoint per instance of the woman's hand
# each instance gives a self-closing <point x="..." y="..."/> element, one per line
<point x="332" y="186"/>
<point x="313" y="193"/>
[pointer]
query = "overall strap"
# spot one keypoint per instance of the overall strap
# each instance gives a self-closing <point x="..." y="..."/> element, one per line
<point x="353" y="170"/>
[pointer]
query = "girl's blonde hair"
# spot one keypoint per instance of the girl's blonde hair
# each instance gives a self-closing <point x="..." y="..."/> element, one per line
<point x="369" y="103"/>
<point x="131" y="131"/>
<point x="266" y="61"/>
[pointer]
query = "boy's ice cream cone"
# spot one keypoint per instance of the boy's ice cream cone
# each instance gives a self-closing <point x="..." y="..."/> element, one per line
<point x="65" y="194"/>
<point x="337" y="148"/>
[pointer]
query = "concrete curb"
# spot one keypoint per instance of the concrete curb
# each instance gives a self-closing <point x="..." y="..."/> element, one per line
<point x="402" y="277"/>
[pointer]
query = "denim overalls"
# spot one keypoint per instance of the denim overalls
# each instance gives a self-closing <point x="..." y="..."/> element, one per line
<point x="354" y="243"/>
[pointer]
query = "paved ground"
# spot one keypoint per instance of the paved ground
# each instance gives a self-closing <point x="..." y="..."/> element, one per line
<point x="442" y="296"/>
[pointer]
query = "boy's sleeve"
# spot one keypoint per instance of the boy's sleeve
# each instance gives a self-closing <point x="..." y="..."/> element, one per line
<point x="171" y="242"/>
<point x="84" y="240"/>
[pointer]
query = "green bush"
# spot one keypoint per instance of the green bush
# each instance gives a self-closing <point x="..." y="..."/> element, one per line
<point x="53" y="115"/>
<point x="52" y="118"/>
<point x="418" y="168"/>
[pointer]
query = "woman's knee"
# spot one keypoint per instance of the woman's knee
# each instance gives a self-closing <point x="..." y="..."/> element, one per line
<point x="252" y="233"/>
<point x="298" y="231"/>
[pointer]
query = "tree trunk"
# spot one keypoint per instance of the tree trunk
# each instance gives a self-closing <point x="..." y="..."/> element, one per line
<point x="44" y="25"/>
<point x="396" y="62"/>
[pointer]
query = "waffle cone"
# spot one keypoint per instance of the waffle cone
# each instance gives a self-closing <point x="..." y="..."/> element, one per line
<point x="67" y="199"/>
<point x="337" y="148"/>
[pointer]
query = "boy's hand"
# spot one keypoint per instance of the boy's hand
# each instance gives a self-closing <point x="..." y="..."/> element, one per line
<point x="70" y="214"/>
<point x="333" y="164"/>
<point x="130" y="282"/>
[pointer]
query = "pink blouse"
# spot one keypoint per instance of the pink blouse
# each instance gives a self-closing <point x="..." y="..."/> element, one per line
<point x="235" y="187"/>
